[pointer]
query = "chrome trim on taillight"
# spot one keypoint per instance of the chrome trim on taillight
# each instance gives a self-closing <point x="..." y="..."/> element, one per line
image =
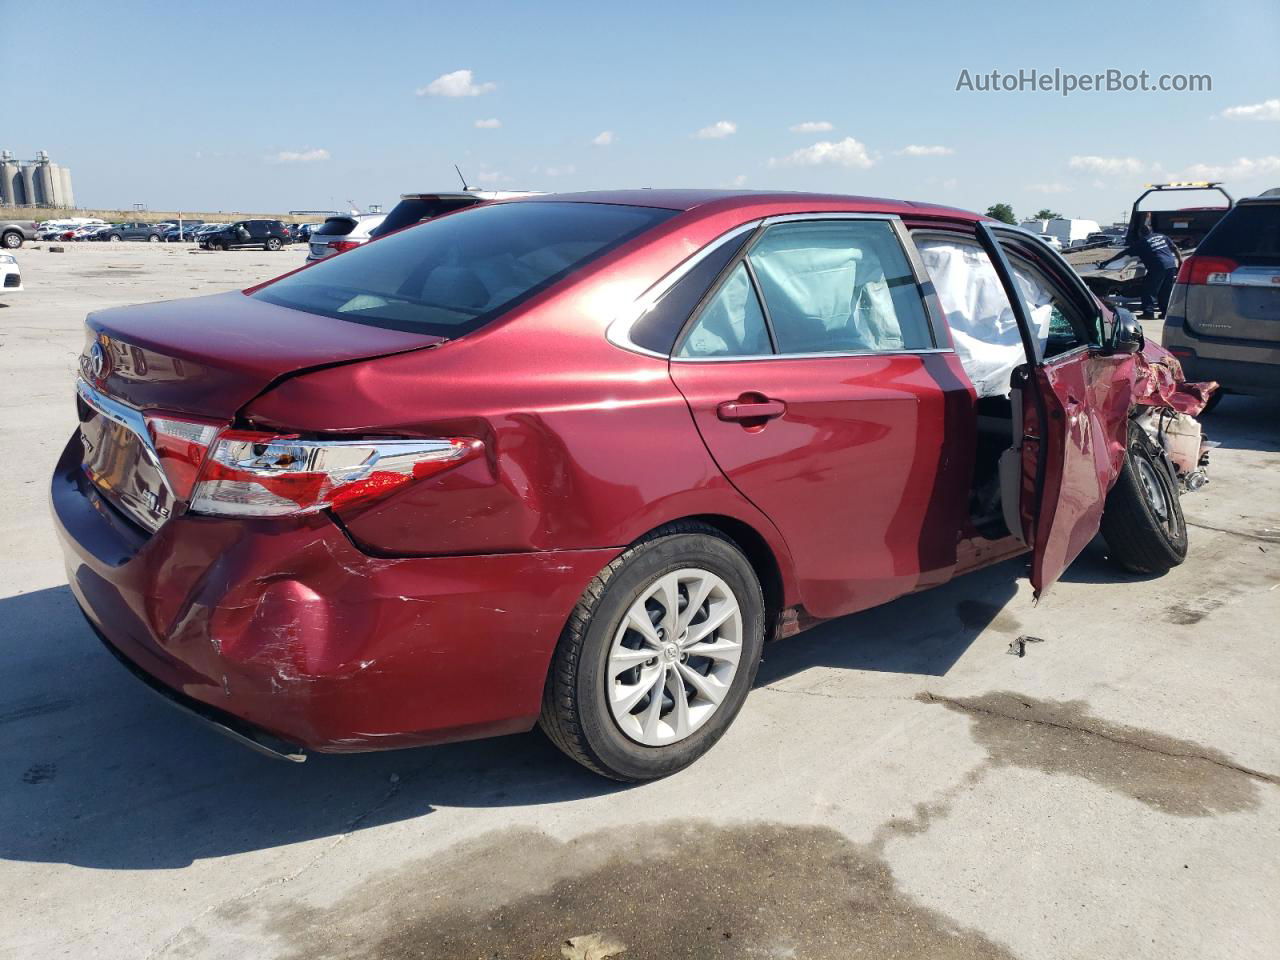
<point x="128" y="417"/>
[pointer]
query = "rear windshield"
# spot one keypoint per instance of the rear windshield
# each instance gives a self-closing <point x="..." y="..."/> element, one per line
<point x="335" y="227"/>
<point x="412" y="210"/>
<point x="450" y="276"/>
<point x="1250" y="233"/>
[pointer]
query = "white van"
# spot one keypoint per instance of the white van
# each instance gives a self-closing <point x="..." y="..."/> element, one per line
<point x="1070" y="232"/>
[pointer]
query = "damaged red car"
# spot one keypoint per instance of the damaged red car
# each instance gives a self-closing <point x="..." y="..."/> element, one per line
<point x="572" y="459"/>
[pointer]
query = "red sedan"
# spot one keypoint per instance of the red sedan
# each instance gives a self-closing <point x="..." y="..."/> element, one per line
<point x="573" y="459"/>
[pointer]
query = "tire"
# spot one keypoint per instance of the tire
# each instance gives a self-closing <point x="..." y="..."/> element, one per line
<point x="11" y="240"/>
<point x="115" y="238"/>
<point x="272" y="244"/>
<point x="1142" y="520"/>
<point x="153" y="239"/>
<point x="578" y="714"/>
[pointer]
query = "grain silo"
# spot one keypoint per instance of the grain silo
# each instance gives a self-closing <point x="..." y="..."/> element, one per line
<point x="10" y="180"/>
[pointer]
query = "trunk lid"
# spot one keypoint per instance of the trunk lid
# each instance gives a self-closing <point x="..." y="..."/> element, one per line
<point x="209" y="356"/>
<point x="202" y="358"/>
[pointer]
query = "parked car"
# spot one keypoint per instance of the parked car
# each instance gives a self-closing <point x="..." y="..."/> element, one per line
<point x="14" y="232"/>
<point x="178" y="234"/>
<point x="132" y="230"/>
<point x="338" y="234"/>
<point x="267" y="234"/>
<point x="1223" y="321"/>
<point x="420" y="207"/>
<point x="10" y="274"/>
<point x="1049" y="241"/>
<point x="572" y="459"/>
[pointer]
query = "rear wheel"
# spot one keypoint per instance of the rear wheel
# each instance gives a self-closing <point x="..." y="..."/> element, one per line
<point x="273" y="243"/>
<point x="153" y="239"/>
<point x="11" y="240"/>
<point x="658" y="655"/>
<point x="1142" y="521"/>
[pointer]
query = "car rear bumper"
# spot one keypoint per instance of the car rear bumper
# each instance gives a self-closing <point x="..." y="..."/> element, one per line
<point x="285" y="630"/>
<point x="1240" y="366"/>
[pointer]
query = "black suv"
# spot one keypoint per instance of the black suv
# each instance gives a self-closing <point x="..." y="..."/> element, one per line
<point x="267" y="234"/>
<point x="134" y="230"/>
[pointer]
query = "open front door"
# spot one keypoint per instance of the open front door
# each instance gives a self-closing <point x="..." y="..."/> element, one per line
<point x="1075" y="402"/>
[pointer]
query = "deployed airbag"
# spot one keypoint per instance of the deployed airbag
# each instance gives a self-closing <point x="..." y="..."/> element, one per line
<point x="983" y="327"/>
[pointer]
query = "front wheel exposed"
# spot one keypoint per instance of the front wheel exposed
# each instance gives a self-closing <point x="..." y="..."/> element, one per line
<point x="1142" y="521"/>
<point x="658" y="656"/>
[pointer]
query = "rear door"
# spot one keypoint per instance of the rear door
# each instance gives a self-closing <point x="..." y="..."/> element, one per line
<point x="816" y="380"/>
<point x="1075" y="401"/>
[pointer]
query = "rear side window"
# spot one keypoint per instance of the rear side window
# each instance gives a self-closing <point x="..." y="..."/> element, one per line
<point x="1249" y="234"/>
<point x="450" y="276"/>
<point x="658" y="328"/>
<point x="732" y="323"/>
<point x="334" y="227"/>
<point x="839" y="286"/>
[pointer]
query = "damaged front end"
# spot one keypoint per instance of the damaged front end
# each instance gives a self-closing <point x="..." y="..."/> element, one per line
<point x="1165" y="406"/>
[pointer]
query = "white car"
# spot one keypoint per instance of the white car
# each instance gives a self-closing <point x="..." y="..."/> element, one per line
<point x="10" y="275"/>
<point x="341" y="233"/>
<point x="1050" y="240"/>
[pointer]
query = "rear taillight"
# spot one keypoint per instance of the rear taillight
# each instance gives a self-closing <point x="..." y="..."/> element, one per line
<point x="250" y="474"/>
<point x="182" y="446"/>
<point x="243" y="473"/>
<point x="343" y="245"/>
<point x="1203" y="270"/>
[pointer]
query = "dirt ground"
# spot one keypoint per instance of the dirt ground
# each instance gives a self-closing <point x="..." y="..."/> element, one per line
<point x="897" y="785"/>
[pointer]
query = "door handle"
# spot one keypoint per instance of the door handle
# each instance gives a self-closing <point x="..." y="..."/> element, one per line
<point x="736" y="411"/>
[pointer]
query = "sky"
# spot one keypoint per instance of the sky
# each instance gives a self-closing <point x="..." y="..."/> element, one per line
<point x="269" y="107"/>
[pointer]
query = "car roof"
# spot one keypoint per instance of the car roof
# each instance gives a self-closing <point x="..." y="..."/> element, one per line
<point x="722" y="200"/>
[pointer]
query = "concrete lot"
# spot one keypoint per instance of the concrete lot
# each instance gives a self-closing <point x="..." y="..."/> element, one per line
<point x="896" y="786"/>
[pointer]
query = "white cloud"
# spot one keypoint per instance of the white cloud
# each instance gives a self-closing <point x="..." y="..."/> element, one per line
<point x="493" y="123"/>
<point x="812" y="126"/>
<point x="1243" y="168"/>
<point x="1047" y="188"/>
<point x="603" y="138"/>
<point x="1266" y="110"/>
<point x="738" y="181"/>
<point x="563" y="171"/>
<point x="1109" y="165"/>
<point x="298" y="156"/>
<point x="916" y="150"/>
<point x="456" y="84"/>
<point x="485" y="177"/>
<point x="841" y="153"/>
<point x="717" y="131"/>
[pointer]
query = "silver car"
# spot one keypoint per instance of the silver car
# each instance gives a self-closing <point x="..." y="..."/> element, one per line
<point x="1224" y="316"/>
<point x="341" y="233"/>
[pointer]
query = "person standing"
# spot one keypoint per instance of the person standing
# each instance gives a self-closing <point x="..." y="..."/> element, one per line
<point x="1160" y="260"/>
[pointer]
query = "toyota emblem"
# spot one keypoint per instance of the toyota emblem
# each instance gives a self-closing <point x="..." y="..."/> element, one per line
<point x="97" y="361"/>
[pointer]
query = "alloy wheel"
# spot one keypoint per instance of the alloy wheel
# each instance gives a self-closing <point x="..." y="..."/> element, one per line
<point x="674" y="657"/>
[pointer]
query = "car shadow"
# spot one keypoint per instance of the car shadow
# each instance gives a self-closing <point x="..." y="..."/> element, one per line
<point x="923" y="633"/>
<point x="100" y="773"/>
<point x="1242" y="422"/>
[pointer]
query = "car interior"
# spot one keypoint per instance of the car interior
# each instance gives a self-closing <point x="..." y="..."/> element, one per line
<point x="989" y="346"/>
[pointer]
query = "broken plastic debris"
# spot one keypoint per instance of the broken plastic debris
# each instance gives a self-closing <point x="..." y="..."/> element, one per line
<point x="592" y="946"/>
<point x="1019" y="647"/>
